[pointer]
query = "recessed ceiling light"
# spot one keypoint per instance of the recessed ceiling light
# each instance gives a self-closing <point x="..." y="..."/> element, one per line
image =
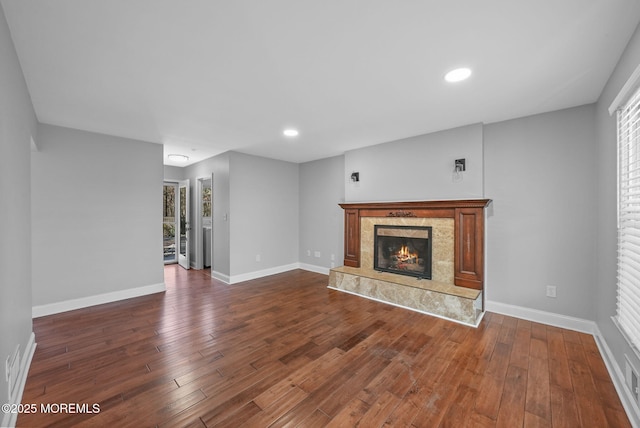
<point x="290" y="132"/>
<point x="458" y="75"/>
<point x="178" y="158"/>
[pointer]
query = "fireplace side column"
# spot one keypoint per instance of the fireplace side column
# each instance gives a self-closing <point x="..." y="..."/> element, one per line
<point x="469" y="251"/>
<point x="352" y="237"/>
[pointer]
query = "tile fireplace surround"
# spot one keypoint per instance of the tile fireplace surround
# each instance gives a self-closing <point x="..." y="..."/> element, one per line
<point x="455" y="291"/>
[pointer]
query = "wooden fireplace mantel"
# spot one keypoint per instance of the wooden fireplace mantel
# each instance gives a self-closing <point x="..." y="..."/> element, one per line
<point x="468" y="216"/>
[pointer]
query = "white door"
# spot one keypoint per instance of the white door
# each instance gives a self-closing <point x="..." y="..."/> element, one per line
<point x="169" y="222"/>
<point x="184" y="226"/>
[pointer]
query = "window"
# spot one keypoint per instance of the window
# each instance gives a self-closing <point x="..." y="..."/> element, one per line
<point x="206" y="202"/>
<point x="628" y="314"/>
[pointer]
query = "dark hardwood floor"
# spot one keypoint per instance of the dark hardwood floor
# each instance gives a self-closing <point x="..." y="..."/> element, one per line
<point x="287" y="351"/>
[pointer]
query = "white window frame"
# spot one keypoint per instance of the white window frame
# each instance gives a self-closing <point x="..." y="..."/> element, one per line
<point x="627" y="107"/>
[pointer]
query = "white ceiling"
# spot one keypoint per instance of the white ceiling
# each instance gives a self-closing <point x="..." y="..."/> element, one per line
<point x="207" y="76"/>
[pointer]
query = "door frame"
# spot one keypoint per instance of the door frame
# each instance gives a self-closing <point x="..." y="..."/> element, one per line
<point x="184" y="261"/>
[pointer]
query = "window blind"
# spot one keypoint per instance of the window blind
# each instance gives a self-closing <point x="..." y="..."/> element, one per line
<point x="628" y="312"/>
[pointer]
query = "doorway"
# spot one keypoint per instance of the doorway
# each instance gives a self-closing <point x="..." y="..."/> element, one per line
<point x="169" y="222"/>
<point x="176" y="225"/>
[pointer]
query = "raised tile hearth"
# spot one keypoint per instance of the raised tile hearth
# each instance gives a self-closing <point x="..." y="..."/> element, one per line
<point x="460" y="304"/>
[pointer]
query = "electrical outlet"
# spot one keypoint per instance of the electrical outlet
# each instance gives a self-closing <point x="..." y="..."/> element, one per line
<point x="316" y="253"/>
<point x="258" y="257"/>
<point x="333" y="257"/>
<point x="551" y="291"/>
<point x="308" y="253"/>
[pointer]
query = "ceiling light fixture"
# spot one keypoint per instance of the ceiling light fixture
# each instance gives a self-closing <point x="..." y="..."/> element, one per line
<point x="457" y="75"/>
<point x="291" y="132"/>
<point x="178" y="158"/>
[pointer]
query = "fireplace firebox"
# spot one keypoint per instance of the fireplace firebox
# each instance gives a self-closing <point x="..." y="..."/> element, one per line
<point x="405" y="250"/>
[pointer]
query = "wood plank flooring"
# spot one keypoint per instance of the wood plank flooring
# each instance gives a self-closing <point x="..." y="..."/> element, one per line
<point x="286" y="351"/>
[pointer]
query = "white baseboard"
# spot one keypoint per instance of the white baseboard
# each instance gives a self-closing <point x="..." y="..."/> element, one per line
<point x="10" y="419"/>
<point x="617" y="376"/>
<point x="313" y="268"/>
<point x="549" y="318"/>
<point x="234" y="279"/>
<point x="220" y="276"/>
<point x="266" y="272"/>
<point x="99" y="299"/>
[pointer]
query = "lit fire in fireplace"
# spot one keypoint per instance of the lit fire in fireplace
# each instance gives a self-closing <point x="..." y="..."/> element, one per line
<point x="405" y="256"/>
<point x="405" y="250"/>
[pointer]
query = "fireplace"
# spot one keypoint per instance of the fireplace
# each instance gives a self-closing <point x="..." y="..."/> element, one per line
<point x="405" y="250"/>
<point x="453" y="258"/>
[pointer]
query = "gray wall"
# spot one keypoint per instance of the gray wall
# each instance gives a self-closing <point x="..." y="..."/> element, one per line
<point x="97" y="215"/>
<point x="255" y="212"/>
<point x="174" y="173"/>
<point x="264" y="213"/>
<point x="17" y="126"/>
<point x="417" y="168"/>
<point x="219" y="167"/>
<point x="540" y="174"/>
<point x="606" y="191"/>
<point x="321" y="219"/>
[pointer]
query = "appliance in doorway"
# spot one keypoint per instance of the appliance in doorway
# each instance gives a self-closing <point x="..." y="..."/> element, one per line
<point x="206" y="232"/>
